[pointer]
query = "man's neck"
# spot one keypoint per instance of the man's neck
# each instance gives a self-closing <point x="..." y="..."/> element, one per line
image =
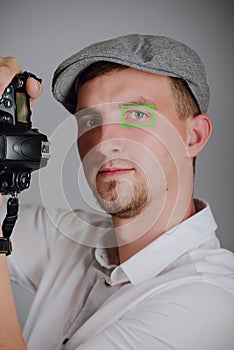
<point x="134" y="234"/>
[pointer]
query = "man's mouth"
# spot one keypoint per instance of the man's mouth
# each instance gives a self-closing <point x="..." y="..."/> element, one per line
<point x="108" y="172"/>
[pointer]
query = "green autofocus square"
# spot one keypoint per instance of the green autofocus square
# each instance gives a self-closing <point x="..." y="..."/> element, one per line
<point x="122" y="108"/>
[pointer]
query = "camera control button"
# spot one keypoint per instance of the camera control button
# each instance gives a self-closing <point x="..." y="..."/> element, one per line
<point x="8" y="90"/>
<point x="8" y="103"/>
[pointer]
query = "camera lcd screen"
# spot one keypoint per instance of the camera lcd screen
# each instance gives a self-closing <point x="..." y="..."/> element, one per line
<point x="22" y="109"/>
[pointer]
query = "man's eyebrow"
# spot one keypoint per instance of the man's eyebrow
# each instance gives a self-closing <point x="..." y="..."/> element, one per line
<point x="139" y="101"/>
<point x="86" y="110"/>
<point x="135" y="101"/>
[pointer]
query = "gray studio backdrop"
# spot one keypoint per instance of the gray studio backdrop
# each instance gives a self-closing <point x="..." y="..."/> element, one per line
<point x="42" y="33"/>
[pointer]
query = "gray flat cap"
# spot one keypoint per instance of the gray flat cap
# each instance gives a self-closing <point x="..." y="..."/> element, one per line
<point x="148" y="53"/>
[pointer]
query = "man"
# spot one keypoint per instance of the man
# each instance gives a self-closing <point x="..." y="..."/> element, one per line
<point x="158" y="278"/>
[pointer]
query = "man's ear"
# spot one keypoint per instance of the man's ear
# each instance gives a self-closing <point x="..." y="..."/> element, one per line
<point x="199" y="131"/>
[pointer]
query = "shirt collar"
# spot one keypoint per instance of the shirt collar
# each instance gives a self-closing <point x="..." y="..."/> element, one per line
<point x="163" y="251"/>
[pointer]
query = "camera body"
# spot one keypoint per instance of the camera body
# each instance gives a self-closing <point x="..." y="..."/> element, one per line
<point x="22" y="148"/>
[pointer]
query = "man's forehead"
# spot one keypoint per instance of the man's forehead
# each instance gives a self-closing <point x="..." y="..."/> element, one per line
<point x="130" y="87"/>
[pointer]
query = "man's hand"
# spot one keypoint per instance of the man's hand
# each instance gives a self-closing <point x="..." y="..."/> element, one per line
<point x="9" y="67"/>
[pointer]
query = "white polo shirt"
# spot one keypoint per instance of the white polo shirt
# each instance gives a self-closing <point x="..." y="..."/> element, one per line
<point x="176" y="293"/>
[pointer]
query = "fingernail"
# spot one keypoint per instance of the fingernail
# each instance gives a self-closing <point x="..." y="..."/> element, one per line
<point x="36" y="88"/>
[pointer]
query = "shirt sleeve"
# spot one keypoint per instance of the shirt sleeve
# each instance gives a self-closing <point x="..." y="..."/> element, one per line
<point x="33" y="239"/>
<point x="197" y="316"/>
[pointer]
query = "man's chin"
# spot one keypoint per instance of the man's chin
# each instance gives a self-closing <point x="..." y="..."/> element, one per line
<point x="121" y="199"/>
<point x="128" y="213"/>
<point x="117" y="208"/>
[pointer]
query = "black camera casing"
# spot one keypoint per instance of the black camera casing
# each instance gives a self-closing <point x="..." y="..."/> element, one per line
<point x="22" y="149"/>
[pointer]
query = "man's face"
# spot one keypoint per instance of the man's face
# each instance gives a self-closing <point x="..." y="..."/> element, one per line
<point x="127" y="167"/>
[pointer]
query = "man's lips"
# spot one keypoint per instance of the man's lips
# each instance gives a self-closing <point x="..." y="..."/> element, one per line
<point x="109" y="172"/>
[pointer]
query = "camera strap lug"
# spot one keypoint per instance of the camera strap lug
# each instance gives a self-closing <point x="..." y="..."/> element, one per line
<point x="8" y="224"/>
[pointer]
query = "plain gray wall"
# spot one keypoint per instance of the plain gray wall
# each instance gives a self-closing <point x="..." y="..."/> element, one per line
<point x="43" y="33"/>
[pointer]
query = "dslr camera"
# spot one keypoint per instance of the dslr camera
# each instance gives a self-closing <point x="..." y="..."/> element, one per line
<point x="22" y="148"/>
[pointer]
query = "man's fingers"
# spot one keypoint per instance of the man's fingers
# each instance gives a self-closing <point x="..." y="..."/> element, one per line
<point x="33" y="88"/>
<point x="9" y="67"/>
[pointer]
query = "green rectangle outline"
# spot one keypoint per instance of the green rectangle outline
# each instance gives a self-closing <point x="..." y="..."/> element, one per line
<point x="132" y="124"/>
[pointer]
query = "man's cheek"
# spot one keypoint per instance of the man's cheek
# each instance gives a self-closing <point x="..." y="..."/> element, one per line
<point x="90" y="161"/>
<point x="81" y="149"/>
<point x="88" y="140"/>
<point x="85" y="145"/>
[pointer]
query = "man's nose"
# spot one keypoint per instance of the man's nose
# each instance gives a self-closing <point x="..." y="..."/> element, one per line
<point x="111" y="139"/>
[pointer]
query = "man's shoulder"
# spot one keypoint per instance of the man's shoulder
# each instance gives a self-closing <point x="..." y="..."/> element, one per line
<point x="198" y="313"/>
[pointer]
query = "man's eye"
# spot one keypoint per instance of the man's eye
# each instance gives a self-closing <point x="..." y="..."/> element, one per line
<point x="91" y="123"/>
<point x="137" y="115"/>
